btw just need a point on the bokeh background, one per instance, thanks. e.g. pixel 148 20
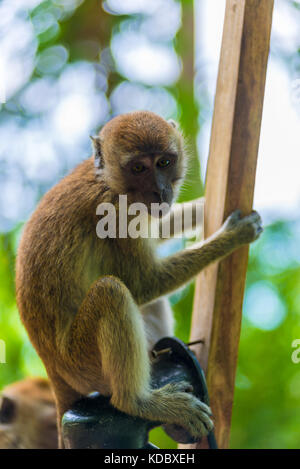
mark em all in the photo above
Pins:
pixel 68 66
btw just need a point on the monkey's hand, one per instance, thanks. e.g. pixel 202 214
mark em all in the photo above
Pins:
pixel 244 230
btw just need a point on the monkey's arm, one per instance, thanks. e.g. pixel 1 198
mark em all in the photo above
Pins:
pixel 174 271
pixel 183 218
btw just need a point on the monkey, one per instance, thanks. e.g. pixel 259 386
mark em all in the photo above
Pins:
pixel 89 304
pixel 28 415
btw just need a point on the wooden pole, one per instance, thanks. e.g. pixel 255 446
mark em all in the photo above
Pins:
pixel 230 185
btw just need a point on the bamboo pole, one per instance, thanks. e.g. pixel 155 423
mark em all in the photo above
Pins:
pixel 230 185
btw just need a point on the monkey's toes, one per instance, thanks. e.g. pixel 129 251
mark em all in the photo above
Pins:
pixel 232 221
pixel 199 423
pixel 252 226
pixel 235 217
pixel 181 386
pixel 179 393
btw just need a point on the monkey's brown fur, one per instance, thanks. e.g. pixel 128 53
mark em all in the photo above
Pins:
pixel 87 303
pixel 28 415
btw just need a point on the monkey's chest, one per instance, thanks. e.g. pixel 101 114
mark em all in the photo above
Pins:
pixel 129 263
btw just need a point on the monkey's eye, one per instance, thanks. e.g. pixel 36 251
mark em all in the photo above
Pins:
pixel 138 168
pixel 163 162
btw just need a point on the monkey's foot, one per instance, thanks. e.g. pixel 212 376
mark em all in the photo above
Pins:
pixel 180 408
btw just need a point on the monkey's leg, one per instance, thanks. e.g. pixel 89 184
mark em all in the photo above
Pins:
pixel 110 319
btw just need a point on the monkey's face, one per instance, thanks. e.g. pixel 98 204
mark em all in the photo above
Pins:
pixel 143 158
pixel 151 178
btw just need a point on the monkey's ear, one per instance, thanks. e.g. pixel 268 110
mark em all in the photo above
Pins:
pixel 97 143
pixel 173 123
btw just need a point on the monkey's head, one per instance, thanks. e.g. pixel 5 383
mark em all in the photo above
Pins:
pixel 28 415
pixel 141 155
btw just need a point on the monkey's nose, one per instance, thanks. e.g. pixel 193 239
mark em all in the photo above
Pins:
pixel 157 196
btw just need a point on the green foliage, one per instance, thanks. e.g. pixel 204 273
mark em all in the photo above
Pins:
pixel 266 409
